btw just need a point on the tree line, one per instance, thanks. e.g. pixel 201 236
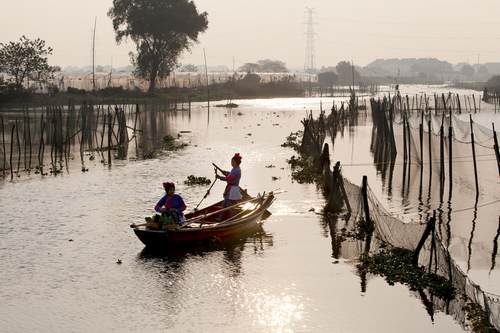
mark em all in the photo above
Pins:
pixel 161 31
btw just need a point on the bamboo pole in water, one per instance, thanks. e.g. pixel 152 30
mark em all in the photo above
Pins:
pixel 29 139
pixel 19 148
pixel 41 150
pixel 104 116
pixel 4 152
pixel 109 139
pixel 421 132
pixel 441 152
pixel 430 227
pixel 53 144
pixel 429 124
pixel 25 141
pixel 474 154
pixel 11 150
pixel 450 149
pixel 409 144
pixel 67 139
pixel 495 147
pixel 405 148
pixel 369 222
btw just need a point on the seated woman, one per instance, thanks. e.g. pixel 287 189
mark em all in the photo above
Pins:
pixel 171 204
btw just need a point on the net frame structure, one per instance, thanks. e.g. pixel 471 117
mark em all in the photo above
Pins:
pixel 419 128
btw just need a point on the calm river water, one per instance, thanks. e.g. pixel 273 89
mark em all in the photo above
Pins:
pixel 71 263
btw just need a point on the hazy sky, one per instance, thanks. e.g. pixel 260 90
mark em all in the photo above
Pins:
pixel 241 31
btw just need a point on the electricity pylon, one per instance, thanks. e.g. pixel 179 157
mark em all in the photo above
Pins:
pixel 310 63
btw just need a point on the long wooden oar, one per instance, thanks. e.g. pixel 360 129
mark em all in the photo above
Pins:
pixel 244 211
pixel 222 171
pixel 202 217
pixel 206 195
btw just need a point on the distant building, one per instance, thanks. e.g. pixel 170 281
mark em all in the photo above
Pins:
pixel 409 67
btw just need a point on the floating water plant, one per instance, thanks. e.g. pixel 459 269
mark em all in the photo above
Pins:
pixel 478 318
pixel 150 155
pixel 360 230
pixel 395 265
pixel 292 141
pixel 303 171
pixel 168 139
pixel 192 180
pixel 176 148
pixel 228 105
pixel 147 154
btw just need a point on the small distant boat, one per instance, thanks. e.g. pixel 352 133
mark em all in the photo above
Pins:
pixel 202 226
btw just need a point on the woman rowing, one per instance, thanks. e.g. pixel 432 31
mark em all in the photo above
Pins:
pixel 232 194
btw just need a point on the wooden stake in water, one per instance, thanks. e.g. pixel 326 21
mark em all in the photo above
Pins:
pixel 474 154
pixel 11 149
pixel 4 153
pixel 18 148
pixel 495 147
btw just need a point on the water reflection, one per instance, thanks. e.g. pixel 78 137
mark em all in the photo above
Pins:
pixel 213 279
pixel 256 239
pixel 495 247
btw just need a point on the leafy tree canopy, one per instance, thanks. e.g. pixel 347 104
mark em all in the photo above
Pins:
pixel 272 66
pixel 493 84
pixel 161 30
pixel 483 70
pixel 328 69
pixel 328 78
pixel 189 68
pixel 265 66
pixel 25 60
pixel 346 73
pixel 249 67
pixel 467 70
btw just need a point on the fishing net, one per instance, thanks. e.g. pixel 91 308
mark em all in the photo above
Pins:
pixel 438 150
pixel 455 160
pixel 434 255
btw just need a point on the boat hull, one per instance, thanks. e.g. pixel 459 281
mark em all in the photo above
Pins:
pixel 205 233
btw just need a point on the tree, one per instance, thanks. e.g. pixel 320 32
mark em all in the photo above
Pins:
pixel 467 70
pixel 161 30
pixel 483 70
pixel 249 67
pixel 493 84
pixel 272 66
pixel 189 68
pixel 25 60
pixel 327 69
pixel 346 72
pixel 264 66
pixel 328 78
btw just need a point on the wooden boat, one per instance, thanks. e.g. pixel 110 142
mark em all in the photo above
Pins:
pixel 202 226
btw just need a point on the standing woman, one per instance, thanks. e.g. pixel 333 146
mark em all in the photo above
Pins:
pixel 232 193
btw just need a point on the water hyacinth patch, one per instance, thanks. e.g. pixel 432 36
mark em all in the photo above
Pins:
pixel 394 264
pixel 193 180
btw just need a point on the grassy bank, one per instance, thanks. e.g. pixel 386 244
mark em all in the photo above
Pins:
pixel 243 89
